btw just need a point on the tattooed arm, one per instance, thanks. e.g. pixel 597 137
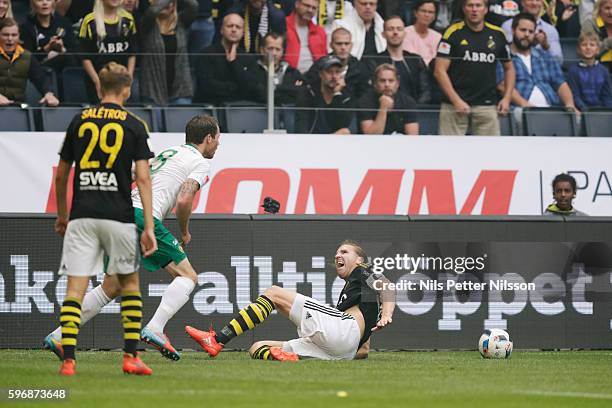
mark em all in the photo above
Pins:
pixel 184 203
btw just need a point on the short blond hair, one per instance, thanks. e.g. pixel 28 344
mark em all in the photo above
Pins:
pixel 589 35
pixel 114 78
pixel 386 67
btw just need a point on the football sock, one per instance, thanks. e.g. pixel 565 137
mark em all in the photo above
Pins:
pixel 262 353
pixel 246 319
pixel 93 302
pixel 175 296
pixel 131 317
pixel 70 321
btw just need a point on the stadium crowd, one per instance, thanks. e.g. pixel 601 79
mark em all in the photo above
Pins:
pixel 377 62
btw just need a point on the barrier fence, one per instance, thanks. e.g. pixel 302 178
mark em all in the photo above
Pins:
pixel 546 280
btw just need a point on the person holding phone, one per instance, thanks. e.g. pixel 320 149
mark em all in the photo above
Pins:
pixel 48 35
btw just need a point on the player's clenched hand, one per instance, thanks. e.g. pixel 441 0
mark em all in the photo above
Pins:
pixel 185 239
pixel 60 225
pixel 382 323
pixel 148 243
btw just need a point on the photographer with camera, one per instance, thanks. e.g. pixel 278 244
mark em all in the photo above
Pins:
pixel 48 35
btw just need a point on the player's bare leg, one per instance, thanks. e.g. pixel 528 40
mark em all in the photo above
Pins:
pixel 283 299
pixel 274 297
pixel 173 299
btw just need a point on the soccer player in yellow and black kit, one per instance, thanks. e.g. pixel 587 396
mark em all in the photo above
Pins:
pixel 366 304
pixel 103 141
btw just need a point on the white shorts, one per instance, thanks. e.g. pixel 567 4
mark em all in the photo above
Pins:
pixel 325 333
pixel 86 242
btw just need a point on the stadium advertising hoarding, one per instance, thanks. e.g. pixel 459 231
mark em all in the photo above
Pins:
pixel 328 174
pixel 547 294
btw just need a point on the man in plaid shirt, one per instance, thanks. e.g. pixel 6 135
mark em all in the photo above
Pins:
pixel 539 80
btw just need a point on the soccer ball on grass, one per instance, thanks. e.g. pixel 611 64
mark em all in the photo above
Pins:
pixel 495 343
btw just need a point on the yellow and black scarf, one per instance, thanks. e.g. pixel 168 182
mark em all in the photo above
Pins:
pixel 262 29
pixel 322 18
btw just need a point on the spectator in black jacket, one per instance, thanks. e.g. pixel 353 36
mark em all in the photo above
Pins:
pixel 48 35
pixel 287 80
pixel 327 108
pixel 415 79
pixel 260 17
pixel 355 74
pixel 220 75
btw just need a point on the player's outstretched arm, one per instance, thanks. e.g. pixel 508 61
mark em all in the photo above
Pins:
pixel 61 184
pixel 184 205
pixel 148 243
pixel 387 298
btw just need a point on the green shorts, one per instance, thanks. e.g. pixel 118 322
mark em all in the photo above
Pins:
pixel 168 248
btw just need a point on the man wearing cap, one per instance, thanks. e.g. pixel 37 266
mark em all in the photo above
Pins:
pixel 327 108
pixel 356 76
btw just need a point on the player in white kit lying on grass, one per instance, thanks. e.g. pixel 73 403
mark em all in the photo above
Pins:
pixel 326 333
pixel 177 174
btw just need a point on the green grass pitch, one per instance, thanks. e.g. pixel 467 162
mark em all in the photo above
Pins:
pixel 389 379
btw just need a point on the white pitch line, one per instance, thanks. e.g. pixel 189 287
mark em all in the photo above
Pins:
pixel 202 392
pixel 566 394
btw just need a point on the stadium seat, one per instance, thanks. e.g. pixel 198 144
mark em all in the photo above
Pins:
pixel 354 126
pixel 284 118
pixel 598 122
pixel 146 113
pixel 176 116
pixel 57 119
pixel 507 126
pixel 429 117
pixel 14 118
pixel 135 90
pixel 73 86
pixel 549 122
pixel 568 47
pixel 245 117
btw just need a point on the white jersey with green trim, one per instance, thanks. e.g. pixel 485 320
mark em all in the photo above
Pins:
pixel 169 170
